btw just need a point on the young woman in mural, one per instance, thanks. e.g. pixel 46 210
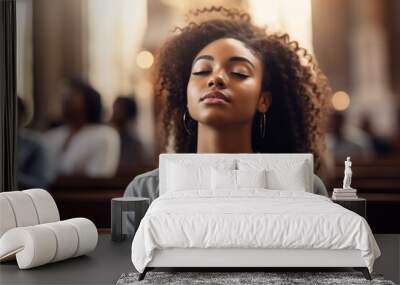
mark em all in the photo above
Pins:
pixel 229 86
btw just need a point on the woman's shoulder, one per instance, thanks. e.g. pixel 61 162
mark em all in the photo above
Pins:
pixel 144 185
pixel 319 186
pixel 152 174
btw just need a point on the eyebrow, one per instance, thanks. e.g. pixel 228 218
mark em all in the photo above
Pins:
pixel 233 58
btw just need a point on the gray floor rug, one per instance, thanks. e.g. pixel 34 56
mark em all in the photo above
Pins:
pixel 225 278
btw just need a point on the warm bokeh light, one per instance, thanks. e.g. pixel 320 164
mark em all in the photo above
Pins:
pixel 293 17
pixel 144 59
pixel 340 101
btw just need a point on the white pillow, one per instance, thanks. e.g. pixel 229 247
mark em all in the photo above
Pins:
pixel 181 178
pixel 223 179
pixel 281 175
pixel 291 179
pixel 186 175
pixel 251 178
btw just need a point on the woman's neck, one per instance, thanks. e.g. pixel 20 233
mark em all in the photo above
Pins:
pixel 229 139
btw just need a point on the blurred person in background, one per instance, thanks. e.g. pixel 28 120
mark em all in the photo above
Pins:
pixel 33 169
pixel 380 145
pixel 83 146
pixel 132 151
pixel 343 143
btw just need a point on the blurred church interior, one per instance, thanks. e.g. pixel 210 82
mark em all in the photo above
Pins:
pixel 108 47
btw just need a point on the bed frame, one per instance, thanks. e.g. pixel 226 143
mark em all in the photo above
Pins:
pixel 242 259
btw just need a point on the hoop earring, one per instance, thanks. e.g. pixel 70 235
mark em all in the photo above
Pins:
pixel 184 123
pixel 263 124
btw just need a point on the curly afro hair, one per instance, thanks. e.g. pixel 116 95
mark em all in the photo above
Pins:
pixel 299 90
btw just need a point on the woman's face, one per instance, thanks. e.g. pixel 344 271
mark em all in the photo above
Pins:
pixel 225 84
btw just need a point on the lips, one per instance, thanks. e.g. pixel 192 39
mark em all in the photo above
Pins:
pixel 216 95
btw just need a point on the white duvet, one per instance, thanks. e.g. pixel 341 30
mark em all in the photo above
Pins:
pixel 250 219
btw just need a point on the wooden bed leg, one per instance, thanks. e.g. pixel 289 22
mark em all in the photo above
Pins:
pixel 364 271
pixel 143 274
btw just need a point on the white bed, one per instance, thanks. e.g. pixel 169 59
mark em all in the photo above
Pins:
pixel 204 220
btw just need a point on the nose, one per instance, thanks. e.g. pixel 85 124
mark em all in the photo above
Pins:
pixel 217 81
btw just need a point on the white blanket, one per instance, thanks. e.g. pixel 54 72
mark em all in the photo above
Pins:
pixel 250 219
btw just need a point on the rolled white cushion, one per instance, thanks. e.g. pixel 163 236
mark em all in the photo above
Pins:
pixel 67 240
pixel 40 244
pixel 45 205
pixel 7 218
pixel 23 208
pixel 33 246
pixel 87 235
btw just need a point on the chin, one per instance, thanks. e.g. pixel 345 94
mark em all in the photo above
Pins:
pixel 215 120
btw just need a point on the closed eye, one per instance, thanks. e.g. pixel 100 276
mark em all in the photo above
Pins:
pixel 202 72
pixel 240 75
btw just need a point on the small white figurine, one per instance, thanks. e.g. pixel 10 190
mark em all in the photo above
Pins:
pixel 347 174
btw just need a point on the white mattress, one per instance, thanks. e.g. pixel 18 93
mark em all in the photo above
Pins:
pixel 257 218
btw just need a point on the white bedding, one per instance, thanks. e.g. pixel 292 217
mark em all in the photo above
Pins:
pixel 253 218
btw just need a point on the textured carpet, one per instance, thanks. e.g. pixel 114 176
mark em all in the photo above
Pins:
pixel 225 278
